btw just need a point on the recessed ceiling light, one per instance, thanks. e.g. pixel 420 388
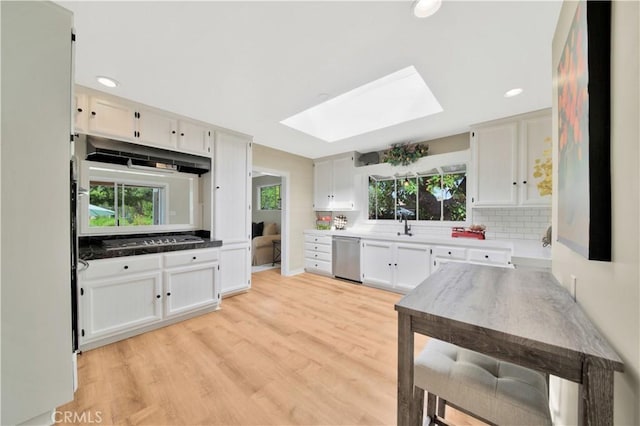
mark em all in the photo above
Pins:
pixel 107 81
pixel 396 98
pixel 513 92
pixel 426 8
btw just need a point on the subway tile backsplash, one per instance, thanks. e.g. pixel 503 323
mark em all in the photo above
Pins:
pixel 529 223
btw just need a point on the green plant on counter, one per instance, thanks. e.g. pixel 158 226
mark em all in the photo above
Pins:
pixel 405 154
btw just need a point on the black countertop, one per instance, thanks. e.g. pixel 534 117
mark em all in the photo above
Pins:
pixel 91 248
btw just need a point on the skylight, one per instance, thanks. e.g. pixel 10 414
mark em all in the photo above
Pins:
pixel 396 98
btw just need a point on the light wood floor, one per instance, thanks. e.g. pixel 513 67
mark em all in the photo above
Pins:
pixel 303 350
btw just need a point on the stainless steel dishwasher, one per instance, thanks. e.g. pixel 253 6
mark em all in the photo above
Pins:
pixel 346 258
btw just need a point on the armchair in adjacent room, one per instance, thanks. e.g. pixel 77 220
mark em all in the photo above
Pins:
pixel 262 242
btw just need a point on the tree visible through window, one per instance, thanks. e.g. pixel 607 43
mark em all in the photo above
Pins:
pixel 438 195
pixel 270 197
pixel 119 204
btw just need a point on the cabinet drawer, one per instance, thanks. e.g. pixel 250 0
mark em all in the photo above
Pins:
pixel 190 257
pixel 489 256
pixel 317 255
pixel 317 239
pixel 318 265
pixel 450 252
pixel 324 248
pixel 121 266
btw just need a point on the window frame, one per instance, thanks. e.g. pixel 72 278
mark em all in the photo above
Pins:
pixel 440 162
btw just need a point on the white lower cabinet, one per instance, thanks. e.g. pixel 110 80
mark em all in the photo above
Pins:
pixel 394 266
pixel 235 272
pixel 117 304
pixel 317 254
pixel 125 296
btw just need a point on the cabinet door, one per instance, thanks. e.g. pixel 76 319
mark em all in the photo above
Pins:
pixel 343 183
pixel 322 184
pixel 234 269
pixel 413 265
pixel 109 118
pixel 535 146
pixel 232 161
pixel 112 306
pixel 194 138
pixel 80 113
pixel 157 129
pixel 376 261
pixel 495 150
pixel 189 288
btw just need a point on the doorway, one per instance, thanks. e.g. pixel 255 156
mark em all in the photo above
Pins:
pixel 270 220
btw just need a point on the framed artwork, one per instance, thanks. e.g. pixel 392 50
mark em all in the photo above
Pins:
pixel 584 109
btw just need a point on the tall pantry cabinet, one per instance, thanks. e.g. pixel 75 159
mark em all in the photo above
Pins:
pixel 232 209
pixel 37 368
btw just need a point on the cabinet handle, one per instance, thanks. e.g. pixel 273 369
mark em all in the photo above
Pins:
pixel 217 187
pixel 486 256
pixel 181 134
pixel 79 109
pixel 158 296
pixel 524 182
pixel 93 113
pixel 395 264
pixel 316 247
pixel 515 183
pixel 173 132
pixel 169 293
pixel 194 258
pixel 389 264
pixel 316 255
pixel 449 253
pixel 126 267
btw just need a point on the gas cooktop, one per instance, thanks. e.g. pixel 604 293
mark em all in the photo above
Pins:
pixel 133 243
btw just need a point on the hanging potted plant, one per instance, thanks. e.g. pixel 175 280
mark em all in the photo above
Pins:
pixel 403 154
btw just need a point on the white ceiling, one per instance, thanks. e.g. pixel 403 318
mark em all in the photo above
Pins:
pixel 248 65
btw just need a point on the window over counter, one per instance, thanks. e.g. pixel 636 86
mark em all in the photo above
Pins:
pixel 122 204
pixel 124 200
pixel 270 197
pixel 439 194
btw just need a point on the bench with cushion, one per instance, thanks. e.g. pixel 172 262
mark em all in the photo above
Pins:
pixel 494 391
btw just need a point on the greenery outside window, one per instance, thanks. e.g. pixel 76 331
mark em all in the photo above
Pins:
pixel 435 195
pixel 120 204
pixel 270 197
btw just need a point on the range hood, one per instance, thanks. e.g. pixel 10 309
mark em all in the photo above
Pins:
pixel 118 152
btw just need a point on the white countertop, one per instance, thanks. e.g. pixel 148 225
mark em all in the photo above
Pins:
pixel 524 252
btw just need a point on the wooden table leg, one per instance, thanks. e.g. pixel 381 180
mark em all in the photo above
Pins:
pixel 595 404
pixel 405 371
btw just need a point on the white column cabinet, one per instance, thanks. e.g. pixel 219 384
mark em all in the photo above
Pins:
pixel 333 183
pixel 232 193
pixel 504 157
pixel 394 266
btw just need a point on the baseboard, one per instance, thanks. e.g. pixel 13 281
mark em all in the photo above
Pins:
pixel 293 272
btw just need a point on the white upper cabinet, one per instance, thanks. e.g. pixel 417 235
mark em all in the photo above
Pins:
pixel 333 183
pixel 109 118
pixel 80 113
pixel 194 138
pixel 504 156
pixel 495 158
pixel 158 129
pixel 535 150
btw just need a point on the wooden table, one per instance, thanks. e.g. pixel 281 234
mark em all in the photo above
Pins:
pixel 521 316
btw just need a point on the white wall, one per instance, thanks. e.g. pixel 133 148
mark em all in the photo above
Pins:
pixel 609 291
pixel 300 182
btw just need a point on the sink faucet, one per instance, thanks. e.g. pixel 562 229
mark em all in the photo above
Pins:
pixel 407 227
